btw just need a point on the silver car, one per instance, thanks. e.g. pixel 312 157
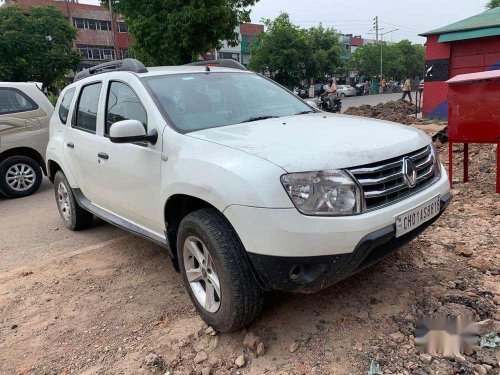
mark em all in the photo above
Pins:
pixel 346 90
pixel 24 133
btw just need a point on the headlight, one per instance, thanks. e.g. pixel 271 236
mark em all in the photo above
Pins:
pixel 326 193
pixel 437 163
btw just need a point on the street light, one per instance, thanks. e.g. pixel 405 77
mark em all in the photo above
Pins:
pixel 382 53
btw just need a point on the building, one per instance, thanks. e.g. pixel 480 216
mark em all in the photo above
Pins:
pixel 350 43
pixel 468 46
pixel 247 36
pixel 100 38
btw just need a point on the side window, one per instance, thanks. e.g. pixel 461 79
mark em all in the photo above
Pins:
pixel 123 104
pixel 13 101
pixel 64 106
pixel 86 113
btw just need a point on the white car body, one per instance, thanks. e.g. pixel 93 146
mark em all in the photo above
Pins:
pixel 237 170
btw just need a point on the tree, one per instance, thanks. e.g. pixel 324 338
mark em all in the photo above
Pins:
pixel 493 4
pixel 169 32
pixel 326 52
pixel 38 47
pixel 399 59
pixel 290 54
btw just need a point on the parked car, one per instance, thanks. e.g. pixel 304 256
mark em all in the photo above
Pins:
pixel 246 186
pixel 319 89
pixel 346 90
pixel 24 133
pixel 301 92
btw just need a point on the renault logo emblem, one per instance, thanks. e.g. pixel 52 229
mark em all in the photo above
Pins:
pixel 409 172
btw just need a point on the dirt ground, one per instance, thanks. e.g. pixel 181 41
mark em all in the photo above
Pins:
pixel 102 301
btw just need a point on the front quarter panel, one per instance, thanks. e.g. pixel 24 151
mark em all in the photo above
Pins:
pixel 219 175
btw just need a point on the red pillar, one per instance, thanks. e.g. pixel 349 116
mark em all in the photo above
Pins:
pixel 466 162
pixel 450 163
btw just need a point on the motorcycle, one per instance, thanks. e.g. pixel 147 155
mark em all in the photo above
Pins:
pixel 324 104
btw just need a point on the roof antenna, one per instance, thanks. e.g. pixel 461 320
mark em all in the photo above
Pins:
pixel 207 69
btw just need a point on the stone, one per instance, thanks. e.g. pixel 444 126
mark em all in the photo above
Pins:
pixel 251 340
pixel 151 360
pixel 459 357
pixel 482 328
pixel 206 371
pixel 210 331
pixel 294 347
pixel 496 299
pixel 480 370
pixel 200 357
pixel 397 337
pixel 464 250
pixel 261 349
pixel 305 337
pixel 240 361
pixel 426 358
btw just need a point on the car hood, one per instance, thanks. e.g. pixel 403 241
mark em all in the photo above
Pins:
pixel 318 141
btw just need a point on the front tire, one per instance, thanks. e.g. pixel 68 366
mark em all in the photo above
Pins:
pixel 216 272
pixel 20 176
pixel 73 216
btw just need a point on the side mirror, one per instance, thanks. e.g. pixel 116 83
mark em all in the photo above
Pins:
pixel 129 131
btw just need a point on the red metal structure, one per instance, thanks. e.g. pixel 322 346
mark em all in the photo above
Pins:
pixel 474 115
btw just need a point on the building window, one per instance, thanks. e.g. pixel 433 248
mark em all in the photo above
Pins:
pixel 125 53
pixel 82 23
pixel 96 52
pixel 122 27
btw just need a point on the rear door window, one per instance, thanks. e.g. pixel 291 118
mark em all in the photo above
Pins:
pixel 86 112
pixel 65 103
pixel 13 100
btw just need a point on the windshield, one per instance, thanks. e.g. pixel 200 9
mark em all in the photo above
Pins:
pixel 208 100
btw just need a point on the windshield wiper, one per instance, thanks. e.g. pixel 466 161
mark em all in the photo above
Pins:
pixel 303 113
pixel 258 118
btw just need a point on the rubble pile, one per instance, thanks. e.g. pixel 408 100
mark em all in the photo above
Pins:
pixel 399 111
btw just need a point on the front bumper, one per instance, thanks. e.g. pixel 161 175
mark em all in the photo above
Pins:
pixel 311 274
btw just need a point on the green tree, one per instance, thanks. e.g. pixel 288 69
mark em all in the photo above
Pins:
pixel 290 54
pixel 326 52
pixel 169 32
pixel 38 47
pixel 493 4
pixel 282 51
pixel 398 60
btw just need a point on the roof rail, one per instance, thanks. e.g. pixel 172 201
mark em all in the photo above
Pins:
pixel 223 63
pixel 125 65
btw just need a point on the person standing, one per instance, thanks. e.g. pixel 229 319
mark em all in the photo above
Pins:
pixel 407 89
pixel 366 87
pixel 384 86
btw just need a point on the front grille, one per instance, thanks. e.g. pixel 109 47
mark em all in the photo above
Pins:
pixel 383 182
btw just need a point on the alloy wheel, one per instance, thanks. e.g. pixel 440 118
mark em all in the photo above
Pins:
pixel 201 274
pixel 63 201
pixel 20 177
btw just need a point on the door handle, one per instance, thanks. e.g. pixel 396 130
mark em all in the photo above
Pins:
pixel 70 145
pixel 103 155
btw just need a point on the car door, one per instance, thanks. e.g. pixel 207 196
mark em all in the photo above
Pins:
pixel 81 141
pixel 131 171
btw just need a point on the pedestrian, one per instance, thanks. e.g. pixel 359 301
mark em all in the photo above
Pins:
pixel 384 86
pixel 366 87
pixel 407 89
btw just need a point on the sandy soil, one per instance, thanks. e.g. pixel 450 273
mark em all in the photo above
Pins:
pixel 105 302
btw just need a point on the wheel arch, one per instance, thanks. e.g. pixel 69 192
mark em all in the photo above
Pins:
pixel 27 152
pixel 53 168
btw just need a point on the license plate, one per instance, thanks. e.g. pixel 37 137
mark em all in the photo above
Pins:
pixel 417 216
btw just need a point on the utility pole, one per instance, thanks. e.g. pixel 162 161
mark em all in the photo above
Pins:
pixel 375 26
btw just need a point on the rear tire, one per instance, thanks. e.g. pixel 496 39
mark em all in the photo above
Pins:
pixel 73 216
pixel 213 262
pixel 20 176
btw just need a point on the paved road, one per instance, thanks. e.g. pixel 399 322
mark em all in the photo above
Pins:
pixel 356 101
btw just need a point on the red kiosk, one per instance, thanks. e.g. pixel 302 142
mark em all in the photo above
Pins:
pixel 474 115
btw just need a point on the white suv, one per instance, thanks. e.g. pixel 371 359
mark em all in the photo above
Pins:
pixel 247 186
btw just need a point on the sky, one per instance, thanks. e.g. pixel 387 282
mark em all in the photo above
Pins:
pixel 411 17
